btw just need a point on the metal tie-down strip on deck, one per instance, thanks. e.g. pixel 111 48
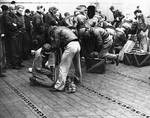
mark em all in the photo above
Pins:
pixel 128 76
pixel 26 100
pixel 124 105
pixel 120 103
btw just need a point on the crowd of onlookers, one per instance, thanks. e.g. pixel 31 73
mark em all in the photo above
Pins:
pixel 22 30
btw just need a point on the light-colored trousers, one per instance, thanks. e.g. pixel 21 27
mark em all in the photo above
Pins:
pixel 71 53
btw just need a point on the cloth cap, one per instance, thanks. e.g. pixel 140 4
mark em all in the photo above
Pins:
pixel 46 49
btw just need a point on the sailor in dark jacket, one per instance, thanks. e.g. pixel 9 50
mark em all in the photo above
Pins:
pixel 50 20
pixel 38 28
pixel 28 33
pixel 2 46
pixel 21 32
pixel 97 42
pixel 65 38
pixel 13 28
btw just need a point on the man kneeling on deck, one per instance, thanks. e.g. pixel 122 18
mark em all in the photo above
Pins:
pixel 42 68
pixel 64 38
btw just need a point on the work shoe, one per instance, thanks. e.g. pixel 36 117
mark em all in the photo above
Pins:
pixel 70 87
pixel 33 81
pixel 52 89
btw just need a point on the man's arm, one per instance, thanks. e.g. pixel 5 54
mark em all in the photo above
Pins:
pixel 99 40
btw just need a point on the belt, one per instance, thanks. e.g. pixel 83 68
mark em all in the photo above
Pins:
pixel 75 40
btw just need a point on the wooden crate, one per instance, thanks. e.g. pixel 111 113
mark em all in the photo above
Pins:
pixel 137 59
pixel 95 65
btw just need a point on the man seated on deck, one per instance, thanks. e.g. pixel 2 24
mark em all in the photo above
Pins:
pixel 64 38
pixel 42 68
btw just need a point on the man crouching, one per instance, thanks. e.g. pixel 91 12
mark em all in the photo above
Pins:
pixel 64 38
pixel 43 66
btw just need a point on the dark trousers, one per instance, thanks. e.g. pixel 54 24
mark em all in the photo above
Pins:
pixel 16 50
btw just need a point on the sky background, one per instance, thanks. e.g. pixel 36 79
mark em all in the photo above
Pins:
pixel 126 6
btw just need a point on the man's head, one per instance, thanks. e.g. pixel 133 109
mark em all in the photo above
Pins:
pixel 40 9
pixel 12 9
pixel 13 4
pixel 20 9
pixel 81 9
pixel 27 12
pixel 46 49
pixel 112 8
pixel 53 10
pixel 66 14
pixel 91 10
pixel 4 8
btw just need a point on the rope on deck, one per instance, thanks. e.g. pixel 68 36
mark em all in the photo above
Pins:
pixel 120 103
pixel 26 100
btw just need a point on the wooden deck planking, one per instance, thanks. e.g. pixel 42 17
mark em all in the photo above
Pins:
pixel 83 103
pixel 13 107
pixel 127 96
pixel 61 103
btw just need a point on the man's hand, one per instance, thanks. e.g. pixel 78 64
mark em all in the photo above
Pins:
pixel 117 19
pixel 33 52
pixel 2 35
pixel 14 24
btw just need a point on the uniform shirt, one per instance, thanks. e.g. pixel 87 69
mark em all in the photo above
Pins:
pixel 50 19
pixel 93 39
pixel 20 22
pixel 28 20
pixel 101 35
pixel 92 22
pixel 11 19
pixel 38 23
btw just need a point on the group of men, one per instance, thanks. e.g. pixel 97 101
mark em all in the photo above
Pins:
pixel 84 34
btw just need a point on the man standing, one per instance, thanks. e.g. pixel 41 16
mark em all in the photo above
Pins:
pixel 14 42
pixel 28 33
pixel 21 32
pixel 118 16
pixel 2 45
pixel 38 28
pixel 64 38
pixel 50 20
pixel 4 31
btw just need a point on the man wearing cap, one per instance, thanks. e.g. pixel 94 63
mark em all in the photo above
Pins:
pixel 118 16
pixel 64 38
pixel 13 4
pixel 21 31
pixel 42 70
pixel 80 17
pixel 38 28
pixel 13 27
pixel 50 19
